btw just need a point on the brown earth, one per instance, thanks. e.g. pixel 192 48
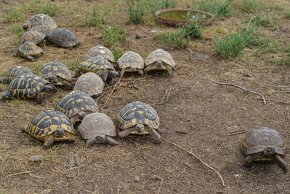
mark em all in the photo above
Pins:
pixel 198 116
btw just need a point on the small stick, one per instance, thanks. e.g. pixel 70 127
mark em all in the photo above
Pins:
pixel 115 86
pixel 237 132
pixel 14 174
pixel 243 89
pixel 192 154
pixel 166 96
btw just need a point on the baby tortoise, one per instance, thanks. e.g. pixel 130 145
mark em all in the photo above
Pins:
pixel 160 60
pixel 76 105
pixel 98 128
pixel 29 50
pixel 41 23
pixel 28 86
pixel 62 37
pixel 131 62
pixel 138 118
pixel 32 36
pixel 98 65
pixel 102 51
pixel 51 126
pixel 90 83
pixel 57 73
pixel 264 144
pixel 14 72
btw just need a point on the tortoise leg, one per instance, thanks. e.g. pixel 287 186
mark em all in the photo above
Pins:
pixel 155 135
pixel 125 133
pixel 110 140
pixel 48 141
pixel 248 161
pixel 77 74
pixel 170 71
pixel 67 85
pixel 31 58
pixel 281 163
pixel 39 98
pixel 90 142
pixel 140 72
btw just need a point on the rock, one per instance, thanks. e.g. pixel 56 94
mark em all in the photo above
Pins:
pixel 35 158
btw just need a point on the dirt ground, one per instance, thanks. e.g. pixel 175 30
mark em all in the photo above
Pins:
pixel 198 116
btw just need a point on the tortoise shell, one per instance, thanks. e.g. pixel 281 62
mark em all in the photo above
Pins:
pixel 27 86
pixel 62 37
pixel 14 72
pixel 77 103
pixel 159 55
pixel 29 50
pixel 90 83
pixel 102 51
pixel 256 140
pixel 47 122
pixel 40 20
pixel 96 124
pixel 138 112
pixel 56 72
pixel 131 61
pixel 94 64
pixel 32 36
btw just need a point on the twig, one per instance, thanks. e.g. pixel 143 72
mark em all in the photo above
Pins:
pixel 237 132
pixel 14 174
pixel 243 89
pixel 166 96
pixel 112 91
pixel 192 154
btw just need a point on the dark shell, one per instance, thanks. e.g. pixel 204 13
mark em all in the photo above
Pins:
pixel 32 36
pixel 62 37
pixel 57 69
pixel 75 102
pixel 138 112
pixel 256 140
pixel 14 72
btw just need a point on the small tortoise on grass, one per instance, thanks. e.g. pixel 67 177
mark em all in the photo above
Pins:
pixel 62 37
pixel 131 62
pixel 32 36
pixel 90 83
pixel 51 126
pixel 264 144
pixel 28 86
pixel 102 51
pixel 138 118
pixel 98 65
pixel 57 73
pixel 160 60
pixel 76 105
pixel 98 128
pixel 41 23
pixel 29 50
pixel 14 72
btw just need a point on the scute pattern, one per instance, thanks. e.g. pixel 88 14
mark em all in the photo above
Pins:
pixel 14 72
pixel 63 38
pixel 100 50
pixel 90 83
pixel 160 55
pixel 131 60
pixel 58 69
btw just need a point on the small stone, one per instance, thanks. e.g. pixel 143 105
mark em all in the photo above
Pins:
pixel 35 158
pixel 136 178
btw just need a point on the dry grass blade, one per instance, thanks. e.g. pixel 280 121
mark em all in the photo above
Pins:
pixel 243 89
pixel 192 154
pixel 166 96
pixel 15 174
pixel 231 133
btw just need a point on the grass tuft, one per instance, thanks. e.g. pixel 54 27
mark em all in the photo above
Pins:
pixel 249 6
pixel 17 29
pixel 218 8
pixel 287 14
pixel 113 35
pixel 45 7
pixel 263 21
pixel 94 17
pixel 13 16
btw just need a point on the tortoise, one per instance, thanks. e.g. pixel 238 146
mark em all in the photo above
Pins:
pixel 76 105
pixel 100 50
pixel 131 62
pixel 90 83
pixel 138 118
pixel 29 50
pixel 57 73
pixel 98 128
pixel 41 23
pixel 264 144
pixel 51 126
pixel 14 72
pixel 62 37
pixel 28 86
pixel 98 65
pixel 160 60
pixel 32 36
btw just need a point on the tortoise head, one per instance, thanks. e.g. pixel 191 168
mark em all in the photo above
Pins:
pixel 50 88
pixel 59 132
pixel 140 128
pixel 159 64
pixel 269 151
pixel 26 25
pixel 62 135
pixel 6 95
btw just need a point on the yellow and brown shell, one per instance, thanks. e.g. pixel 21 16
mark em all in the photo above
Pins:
pixel 46 123
pixel 14 72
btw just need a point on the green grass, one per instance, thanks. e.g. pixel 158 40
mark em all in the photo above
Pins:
pixel 249 6
pixel 287 14
pixel 44 7
pixel 113 35
pixel 16 29
pixel 117 52
pixel 263 21
pixel 218 8
pixel 34 67
pixel 94 17
pixel 192 30
pixel 13 16
pixel 142 11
